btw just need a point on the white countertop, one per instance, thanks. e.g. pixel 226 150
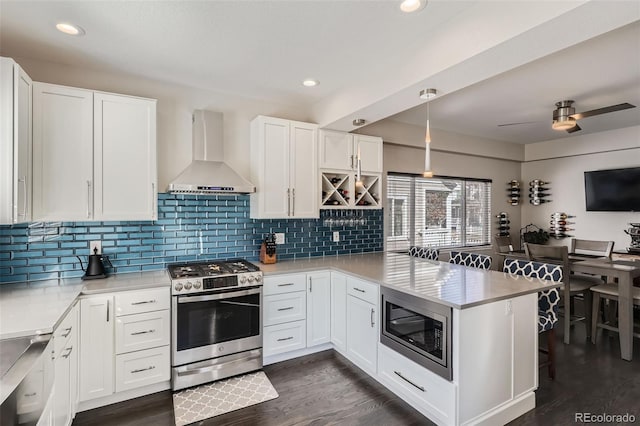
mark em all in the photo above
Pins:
pixel 36 308
pixel 453 285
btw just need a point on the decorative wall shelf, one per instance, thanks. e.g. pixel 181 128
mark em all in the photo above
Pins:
pixel 341 191
pixel 538 191
pixel 560 225
pixel 503 224
pixel 513 192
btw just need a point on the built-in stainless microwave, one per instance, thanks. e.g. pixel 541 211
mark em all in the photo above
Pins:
pixel 418 329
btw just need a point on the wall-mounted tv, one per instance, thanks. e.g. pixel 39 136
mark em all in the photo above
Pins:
pixel 616 190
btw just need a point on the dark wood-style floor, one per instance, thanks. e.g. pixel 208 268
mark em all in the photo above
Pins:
pixel 326 389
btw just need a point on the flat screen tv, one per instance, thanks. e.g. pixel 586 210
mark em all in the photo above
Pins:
pixel 616 190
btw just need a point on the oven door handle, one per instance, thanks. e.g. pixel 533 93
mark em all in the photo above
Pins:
pixel 218 296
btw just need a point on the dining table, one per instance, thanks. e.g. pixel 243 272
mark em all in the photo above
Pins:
pixel 624 271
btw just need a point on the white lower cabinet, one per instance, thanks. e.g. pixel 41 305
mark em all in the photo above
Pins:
pixel 124 341
pixel 339 311
pixel 362 334
pixel 318 308
pixel 286 337
pixel 65 354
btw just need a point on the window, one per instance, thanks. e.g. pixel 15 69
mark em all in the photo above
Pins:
pixel 437 212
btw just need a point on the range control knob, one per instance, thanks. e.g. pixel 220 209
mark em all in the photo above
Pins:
pixel 197 284
pixel 187 285
pixel 178 286
pixel 258 278
pixel 242 279
pixel 251 278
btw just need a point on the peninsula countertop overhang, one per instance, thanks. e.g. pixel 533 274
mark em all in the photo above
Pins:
pixel 452 285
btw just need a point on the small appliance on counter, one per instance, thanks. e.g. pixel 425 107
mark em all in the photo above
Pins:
pixel 634 233
pixel 268 249
pixel 95 267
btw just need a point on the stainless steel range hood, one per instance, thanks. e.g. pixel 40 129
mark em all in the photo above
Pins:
pixel 207 173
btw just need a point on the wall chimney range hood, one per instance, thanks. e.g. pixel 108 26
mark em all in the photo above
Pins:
pixel 207 173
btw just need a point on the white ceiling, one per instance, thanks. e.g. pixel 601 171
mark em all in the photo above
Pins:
pixel 596 73
pixel 369 57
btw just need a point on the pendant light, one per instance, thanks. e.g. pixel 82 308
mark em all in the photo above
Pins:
pixel 427 94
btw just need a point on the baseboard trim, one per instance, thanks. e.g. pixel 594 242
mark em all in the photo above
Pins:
pixel 273 359
pixel 507 412
pixel 123 396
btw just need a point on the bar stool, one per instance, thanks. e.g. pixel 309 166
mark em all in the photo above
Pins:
pixel 473 260
pixel 609 292
pixel 424 252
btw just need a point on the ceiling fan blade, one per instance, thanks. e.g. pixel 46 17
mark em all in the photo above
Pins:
pixel 605 110
pixel 574 129
pixel 515 124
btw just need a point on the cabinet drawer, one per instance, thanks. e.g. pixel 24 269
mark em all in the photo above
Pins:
pixel 363 290
pixel 424 390
pixel 142 368
pixel 284 337
pixel 30 392
pixel 136 302
pixel 142 331
pixel 284 284
pixel 288 307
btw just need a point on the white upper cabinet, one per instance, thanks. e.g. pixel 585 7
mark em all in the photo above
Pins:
pixel 94 155
pixel 284 169
pixel 125 157
pixel 15 143
pixel 62 153
pixel 339 151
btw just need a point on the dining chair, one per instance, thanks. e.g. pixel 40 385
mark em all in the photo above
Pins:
pixel 547 301
pixel 473 260
pixel 591 247
pixel 572 284
pixel 608 292
pixel 424 252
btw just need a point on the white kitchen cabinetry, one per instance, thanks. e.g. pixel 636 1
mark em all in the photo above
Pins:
pixel 284 313
pixel 65 394
pixel 15 143
pixel 339 151
pixel 284 168
pixel 124 341
pixel 339 311
pixel 94 155
pixel 318 308
pixel 362 324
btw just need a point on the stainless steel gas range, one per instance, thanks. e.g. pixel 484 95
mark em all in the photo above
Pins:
pixel 216 321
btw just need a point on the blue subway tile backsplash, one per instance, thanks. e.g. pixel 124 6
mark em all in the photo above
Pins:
pixel 189 228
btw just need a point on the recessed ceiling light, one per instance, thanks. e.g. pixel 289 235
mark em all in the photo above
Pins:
pixel 409 6
pixel 69 29
pixel 310 82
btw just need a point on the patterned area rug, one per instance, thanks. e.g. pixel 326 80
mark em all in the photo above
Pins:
pixel 203 402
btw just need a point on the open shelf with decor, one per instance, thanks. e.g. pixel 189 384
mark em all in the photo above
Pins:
pixel 336 190
pixel 367 194
pixel 341 191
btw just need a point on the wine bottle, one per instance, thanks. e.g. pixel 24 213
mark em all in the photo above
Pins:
pixel 538 201
pixel 538 195
pixel 560 222
pixel 514 183
pixel 558 215
pixel 335 179
pixel 538 182
pixel 539 188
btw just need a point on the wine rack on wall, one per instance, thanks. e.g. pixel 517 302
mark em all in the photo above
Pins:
pixel 538 192
pixel 503 224
pixel 560 225
pixel 513 192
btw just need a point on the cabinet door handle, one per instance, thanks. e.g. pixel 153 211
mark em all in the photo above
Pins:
pixel 284 285
pixel 23 181
pixel 288 201
pixel 293 203
pixel 108 310
pixel 88 198
pixel 28 395
pixel 288 308
pixel 140 370
pixel 136 333
pixel 153 199
pixel 285 338
pixel 143 302
pixel 351 157
pixel 68 332
pixel 399 374
pixel 68 352
pixel 310 285
pixel 372 315
pixel 360 290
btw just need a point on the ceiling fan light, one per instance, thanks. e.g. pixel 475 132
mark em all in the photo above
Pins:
pixel 564 123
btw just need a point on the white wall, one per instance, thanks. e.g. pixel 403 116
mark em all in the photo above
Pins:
pixel 563 163
pixel 175 106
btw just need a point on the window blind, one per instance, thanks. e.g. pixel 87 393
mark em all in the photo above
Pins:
pixel 437 212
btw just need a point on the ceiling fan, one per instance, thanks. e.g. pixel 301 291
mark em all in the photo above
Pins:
pixel 565 116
